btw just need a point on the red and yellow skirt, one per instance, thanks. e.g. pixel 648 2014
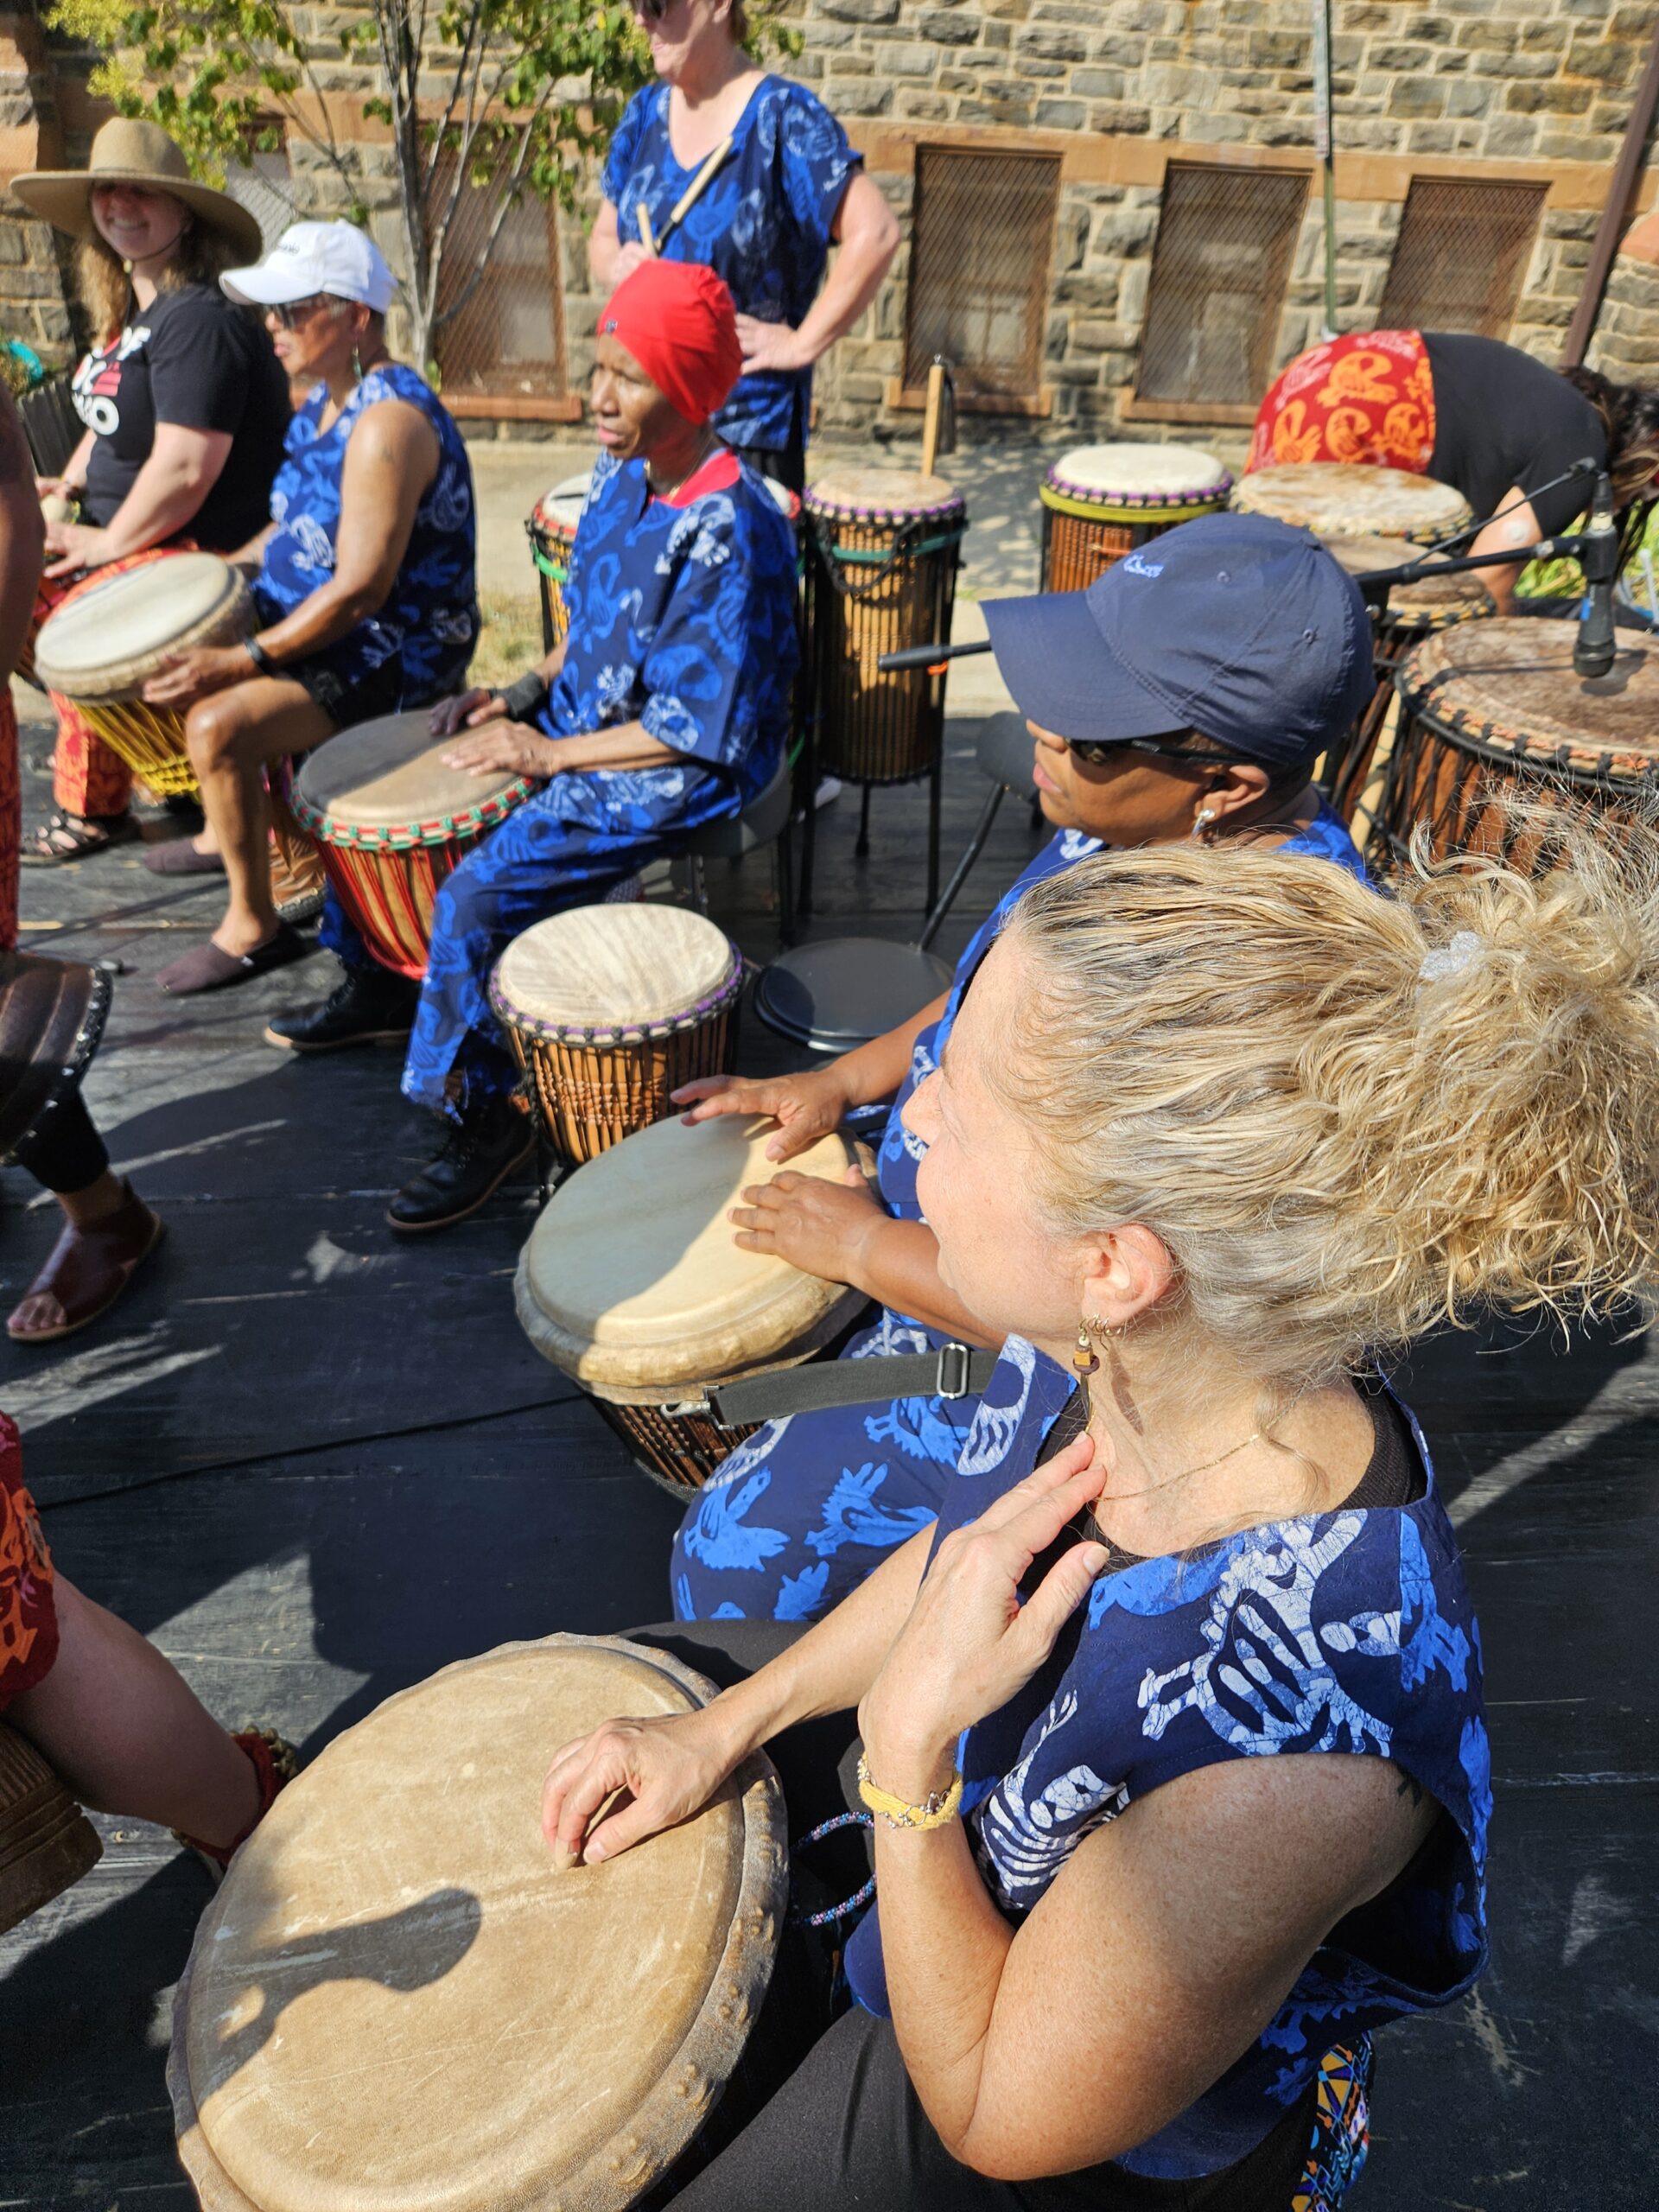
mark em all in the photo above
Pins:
pixel 29 1617
pixel 1367 396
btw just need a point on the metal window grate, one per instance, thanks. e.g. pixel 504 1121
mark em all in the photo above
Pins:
pixel 1220 266
pixel 981 243
pixel 1461 256
pixel 507 340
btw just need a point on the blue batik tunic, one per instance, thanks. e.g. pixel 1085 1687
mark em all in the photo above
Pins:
pixel 682 618
pixel 1349 1632
pixel 806 1508
pixel 763 225
pixel 426 628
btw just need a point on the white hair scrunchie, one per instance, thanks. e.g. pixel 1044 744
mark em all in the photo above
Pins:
pixel 1445 961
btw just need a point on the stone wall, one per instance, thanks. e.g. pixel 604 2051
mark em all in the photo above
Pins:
pixel 33 299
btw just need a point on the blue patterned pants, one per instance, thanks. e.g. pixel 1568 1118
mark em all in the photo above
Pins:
pixel 807 1507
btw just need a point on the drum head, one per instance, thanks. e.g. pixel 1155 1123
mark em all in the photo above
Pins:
pixel 1139 473
pixel 1345 498
pixel 1509 683
pixel 396 2005
pixel 110 636
pixel 560 510
pixel 874 493
pixel 388 776
pixel 1431 597
pixel 631 1280
pixel 613 971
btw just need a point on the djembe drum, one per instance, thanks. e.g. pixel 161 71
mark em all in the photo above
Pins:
pixel 112 633
pixel 1100 502
pixel 47 1843
pixel 392 822
pixel 396 2003
pixel 608 1009
pixel 1413 612
pixel 1490 712
pixel 632 1285
pixel 1349 499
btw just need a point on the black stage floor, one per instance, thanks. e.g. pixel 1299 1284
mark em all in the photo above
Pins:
pixel 315 1464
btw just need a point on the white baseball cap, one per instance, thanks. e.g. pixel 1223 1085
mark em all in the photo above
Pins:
pixel 312 258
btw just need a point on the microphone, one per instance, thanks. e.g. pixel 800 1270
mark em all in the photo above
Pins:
pixel 1594 648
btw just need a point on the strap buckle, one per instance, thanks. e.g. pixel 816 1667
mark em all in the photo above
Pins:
pixel 954 1370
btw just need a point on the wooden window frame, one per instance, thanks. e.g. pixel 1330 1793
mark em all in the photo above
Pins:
pixel 1457 181
pixel 901 398
pixel 470 406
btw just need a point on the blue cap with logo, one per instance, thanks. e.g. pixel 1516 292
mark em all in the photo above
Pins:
pixel 1236 626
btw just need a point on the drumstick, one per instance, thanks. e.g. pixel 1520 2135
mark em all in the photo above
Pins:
pixel 694 191
pixel 646 240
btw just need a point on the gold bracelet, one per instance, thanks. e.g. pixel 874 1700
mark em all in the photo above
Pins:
pixel 935 1811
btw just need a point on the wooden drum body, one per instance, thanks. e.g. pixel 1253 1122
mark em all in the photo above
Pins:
pixel 47 1843
pixel 1100 502
pixel 392 822
pixel 1413 612
pixel 1349 499
pixel 632 1284
pixel 886 547
pixel 609 1008
pixel 395 2004
pixel 112 633
pixel 552 528
pixel 1491 711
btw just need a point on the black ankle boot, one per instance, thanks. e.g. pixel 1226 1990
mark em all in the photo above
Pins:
pixel 369 1006
pixel 480 1150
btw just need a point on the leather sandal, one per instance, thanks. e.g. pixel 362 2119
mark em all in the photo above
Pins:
pixel 275 1763
pixel 87 1271
pixel 65 837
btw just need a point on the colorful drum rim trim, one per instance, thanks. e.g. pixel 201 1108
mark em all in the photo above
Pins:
pixel 725 994
pixel 1419 682
pixel 833 511
pixel 1065 497
pixel 440 829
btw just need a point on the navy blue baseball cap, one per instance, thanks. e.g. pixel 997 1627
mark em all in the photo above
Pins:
pixel 1236 626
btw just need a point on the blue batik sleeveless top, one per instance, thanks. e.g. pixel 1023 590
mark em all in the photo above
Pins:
pixel 1348 1633
pixel 1325 838
pixel 429 621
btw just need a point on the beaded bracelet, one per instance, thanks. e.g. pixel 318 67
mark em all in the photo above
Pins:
pixel 935 1811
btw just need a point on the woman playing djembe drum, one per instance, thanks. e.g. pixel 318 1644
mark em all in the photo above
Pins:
pixel 365 586
pixel 800 1514
pixel 185 408
pixel 1485 417
pixel 667 710
pixel 782 185
pixel 1158 1849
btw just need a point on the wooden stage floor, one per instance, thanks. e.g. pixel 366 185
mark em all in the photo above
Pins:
pixel 315 1464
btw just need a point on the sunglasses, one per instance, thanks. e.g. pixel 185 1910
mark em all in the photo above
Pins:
pixel 293 312
pixel 1100 756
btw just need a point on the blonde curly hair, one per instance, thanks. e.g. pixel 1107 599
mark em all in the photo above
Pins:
pixel 1346 1117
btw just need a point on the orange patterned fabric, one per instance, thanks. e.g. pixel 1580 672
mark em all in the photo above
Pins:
pixel 11 820
pixel 88 777
pixel 1367 396
pixel 29 1617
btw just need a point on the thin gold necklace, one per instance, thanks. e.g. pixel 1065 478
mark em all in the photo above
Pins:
pixel 1122 1497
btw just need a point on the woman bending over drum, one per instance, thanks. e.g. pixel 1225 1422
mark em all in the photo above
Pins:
pixel 782 185
pixel 185 408
pixel 669 709
pixel 1474 413
pixel 803 1510
pixel 364 579
pixel 1172 1730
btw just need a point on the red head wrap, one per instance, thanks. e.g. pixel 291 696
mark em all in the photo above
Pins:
pixel 677 321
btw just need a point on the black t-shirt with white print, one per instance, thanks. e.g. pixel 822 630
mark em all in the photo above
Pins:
pixel 194 359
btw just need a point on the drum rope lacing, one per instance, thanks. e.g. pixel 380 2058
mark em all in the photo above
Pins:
pixel 860 1897
pixel 909 545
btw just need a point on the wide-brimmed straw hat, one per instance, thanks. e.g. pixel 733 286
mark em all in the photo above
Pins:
pixel 131 151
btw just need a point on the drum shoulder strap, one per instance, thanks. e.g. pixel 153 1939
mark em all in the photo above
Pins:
pixel 955 1370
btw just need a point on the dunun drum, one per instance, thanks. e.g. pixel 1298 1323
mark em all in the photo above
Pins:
pixel 632 1284
pixel 885 545
pixel 608 1009
pixel 111 634
pixel 392 822
pixel 1413 612
pixel 1100 502
pixel 552 532
pixel 47 1843
pixel 1348 498
pixel 395 2004
pixel 1490 712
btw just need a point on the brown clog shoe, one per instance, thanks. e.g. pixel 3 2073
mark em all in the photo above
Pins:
pixel 88 1270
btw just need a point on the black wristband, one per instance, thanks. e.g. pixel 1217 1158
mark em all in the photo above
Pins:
pixel 525 697
pixel 261 659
